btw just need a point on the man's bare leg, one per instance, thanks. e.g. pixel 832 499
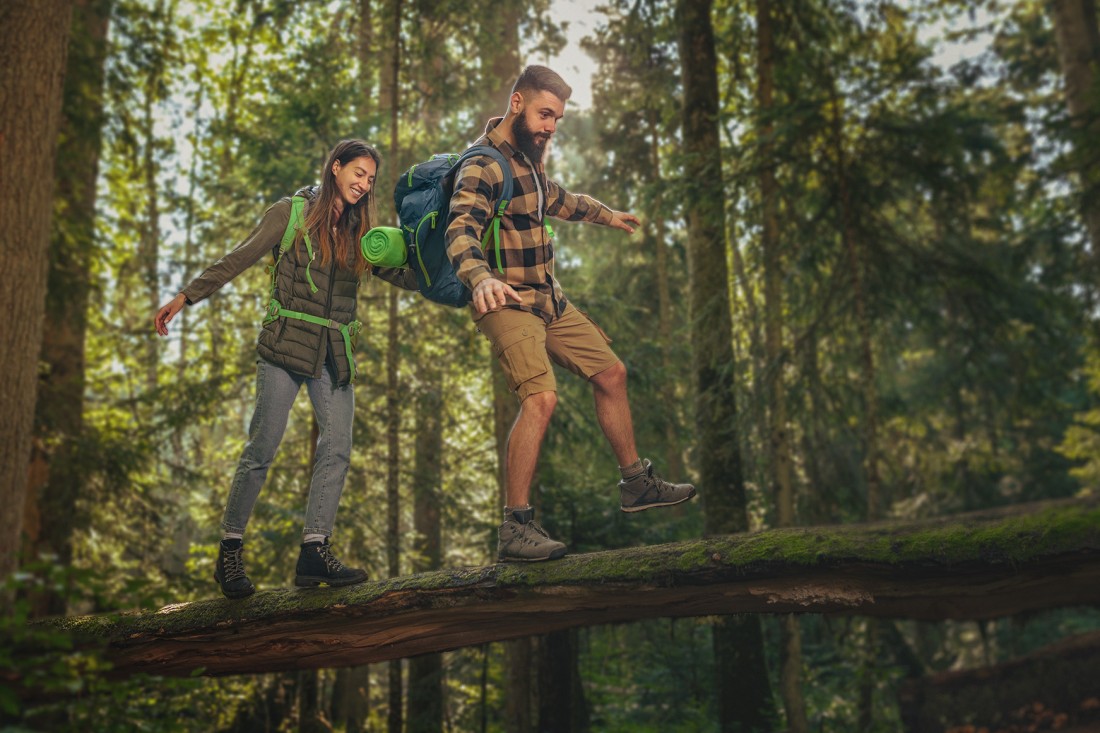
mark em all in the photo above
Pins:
pixel 524 443
pixel 613 413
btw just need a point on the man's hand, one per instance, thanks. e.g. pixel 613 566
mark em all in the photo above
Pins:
pixel 491 294
pixel 623 220
pixel 167 312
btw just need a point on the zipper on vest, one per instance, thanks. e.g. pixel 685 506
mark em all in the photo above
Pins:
pixel 323 352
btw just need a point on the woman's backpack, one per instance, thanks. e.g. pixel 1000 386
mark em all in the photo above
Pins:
pixel 422 198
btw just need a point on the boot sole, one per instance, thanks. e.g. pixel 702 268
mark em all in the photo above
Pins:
pixel 312 581
pixel 238 596
pixel 555 555
pixel 234 595
pixel 632 509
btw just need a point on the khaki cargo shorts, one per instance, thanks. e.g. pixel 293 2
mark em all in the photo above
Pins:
pixel 524 345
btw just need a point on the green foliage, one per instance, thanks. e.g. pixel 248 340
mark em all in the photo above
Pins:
pixel 961 211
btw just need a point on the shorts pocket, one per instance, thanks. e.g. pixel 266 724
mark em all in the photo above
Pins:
pixel 516 351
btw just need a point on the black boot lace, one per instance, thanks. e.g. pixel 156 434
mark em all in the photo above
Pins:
pixel 233 564
pixel 332 563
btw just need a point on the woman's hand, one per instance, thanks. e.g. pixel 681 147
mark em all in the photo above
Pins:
pixel 167 312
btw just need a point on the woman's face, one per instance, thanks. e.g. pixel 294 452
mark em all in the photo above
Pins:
pixel 355 179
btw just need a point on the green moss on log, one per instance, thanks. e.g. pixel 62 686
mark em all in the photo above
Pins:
pixel 1013 536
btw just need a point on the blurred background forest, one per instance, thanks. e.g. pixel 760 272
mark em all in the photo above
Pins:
pixel 886 257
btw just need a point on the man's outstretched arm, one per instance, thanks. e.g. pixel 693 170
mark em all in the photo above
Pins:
pixel 562 204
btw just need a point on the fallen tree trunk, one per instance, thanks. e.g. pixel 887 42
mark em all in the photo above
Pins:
pixel 974 566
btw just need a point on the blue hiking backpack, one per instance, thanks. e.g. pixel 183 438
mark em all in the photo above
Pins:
pixel 422 198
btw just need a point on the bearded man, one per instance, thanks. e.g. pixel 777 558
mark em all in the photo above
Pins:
pixel 520 307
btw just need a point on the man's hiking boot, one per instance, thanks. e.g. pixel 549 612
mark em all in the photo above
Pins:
pixel 317 564
pixel 648 490
pixel 521 539
pixel 229 570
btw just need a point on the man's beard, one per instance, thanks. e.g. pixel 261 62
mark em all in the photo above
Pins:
pixel 534 147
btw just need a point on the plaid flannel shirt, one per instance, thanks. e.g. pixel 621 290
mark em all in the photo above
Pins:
pixel 526 250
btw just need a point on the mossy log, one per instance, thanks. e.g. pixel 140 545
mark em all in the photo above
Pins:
pixel 974 566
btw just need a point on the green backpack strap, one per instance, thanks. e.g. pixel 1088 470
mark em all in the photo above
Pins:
pixel 296 222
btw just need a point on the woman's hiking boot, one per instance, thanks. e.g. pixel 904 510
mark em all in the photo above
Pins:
pixel 229 570
pixel 647 490
pixel 521 539
pixel 317 564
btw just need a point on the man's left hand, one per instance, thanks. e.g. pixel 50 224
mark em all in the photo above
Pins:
pixel 623 220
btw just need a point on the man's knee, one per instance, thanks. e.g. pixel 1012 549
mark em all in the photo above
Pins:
pixel 540 404
pixel 612 378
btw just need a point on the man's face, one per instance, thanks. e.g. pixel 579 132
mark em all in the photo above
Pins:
pixel 536 123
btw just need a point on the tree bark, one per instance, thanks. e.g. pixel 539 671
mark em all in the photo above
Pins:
pixel 425 698
pixel 309 702
pixel 674 463
pixel 975 566
pixel 520 698
pixel 790 658
pixel 33 46
pixel 367 66
pixel 745 691
pixel 1077 31
pixel 351 698
pixel 55 481
pixel 562 706
pixel 391 92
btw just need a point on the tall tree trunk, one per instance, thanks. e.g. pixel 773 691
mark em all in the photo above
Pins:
pixel 868 388
pixel 55 481
pixel 150 228
pixel 790 672
pixel 562 706
pixel 501 29
pixel 309 702
pixel 365 48
pixel 1077 30
pixel 742 682
pixel 391 92
pixel 425 698
pixel 869 393
pixel 520 696
pixel 351 698
pixel 393 499
pixel 33 45
pixel 674 463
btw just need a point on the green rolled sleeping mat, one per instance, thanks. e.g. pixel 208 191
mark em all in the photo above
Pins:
pixel 385 247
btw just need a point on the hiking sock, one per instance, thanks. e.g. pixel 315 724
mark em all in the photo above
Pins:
pixel 634 469
pixel 233 535
pixel 312 537
pixel 519 514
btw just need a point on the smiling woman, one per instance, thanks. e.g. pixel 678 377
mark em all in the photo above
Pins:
pixel 307 339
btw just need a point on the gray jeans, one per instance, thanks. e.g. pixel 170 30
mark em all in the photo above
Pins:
pixel 334 408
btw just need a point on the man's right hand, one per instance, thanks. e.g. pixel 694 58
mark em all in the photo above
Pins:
pixel 491 294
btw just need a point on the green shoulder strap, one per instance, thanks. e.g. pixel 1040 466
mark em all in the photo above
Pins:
pixel 296 222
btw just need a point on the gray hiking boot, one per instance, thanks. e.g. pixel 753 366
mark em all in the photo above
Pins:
pixel 648 490
pixel 521 539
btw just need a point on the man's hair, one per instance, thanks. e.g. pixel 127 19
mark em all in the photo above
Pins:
pixel 536 78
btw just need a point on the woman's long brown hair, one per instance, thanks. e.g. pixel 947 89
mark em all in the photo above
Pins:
pixel 354 221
